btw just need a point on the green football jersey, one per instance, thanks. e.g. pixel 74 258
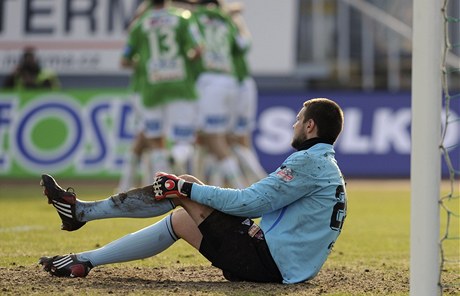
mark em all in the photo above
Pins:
pixel 197 64
pixel 161 39
pixel 219 34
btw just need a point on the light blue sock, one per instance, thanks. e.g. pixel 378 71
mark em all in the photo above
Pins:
pixel 144 243
pixel 135 203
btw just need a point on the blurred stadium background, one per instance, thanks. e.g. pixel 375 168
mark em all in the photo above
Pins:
pixel 354 51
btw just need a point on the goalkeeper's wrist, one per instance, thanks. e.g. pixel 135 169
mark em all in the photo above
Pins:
pixel 185 188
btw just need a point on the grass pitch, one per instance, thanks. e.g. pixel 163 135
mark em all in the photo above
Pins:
pixel 371 256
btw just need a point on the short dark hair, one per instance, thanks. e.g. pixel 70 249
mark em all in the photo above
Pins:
pixel 327 115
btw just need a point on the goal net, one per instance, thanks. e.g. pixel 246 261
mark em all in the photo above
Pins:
pixel 450 197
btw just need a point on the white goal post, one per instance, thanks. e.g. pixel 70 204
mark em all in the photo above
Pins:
pixel 426 155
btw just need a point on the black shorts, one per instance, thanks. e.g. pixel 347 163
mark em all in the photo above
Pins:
pixel 237 246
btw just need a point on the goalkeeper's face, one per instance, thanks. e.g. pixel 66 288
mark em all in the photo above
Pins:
pixel 300 135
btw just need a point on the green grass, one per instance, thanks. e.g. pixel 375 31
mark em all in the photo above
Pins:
pixel 376 229
pixel 375 233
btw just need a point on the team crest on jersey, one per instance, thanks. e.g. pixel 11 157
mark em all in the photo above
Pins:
pixel 285 174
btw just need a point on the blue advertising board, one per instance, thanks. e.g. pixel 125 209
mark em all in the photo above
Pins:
pixel 376 141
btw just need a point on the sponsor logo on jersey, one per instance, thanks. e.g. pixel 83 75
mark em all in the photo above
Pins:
pixel 285 174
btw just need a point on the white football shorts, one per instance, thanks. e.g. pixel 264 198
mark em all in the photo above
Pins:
pixel 245 108
pixel 217 94
pixel 176 120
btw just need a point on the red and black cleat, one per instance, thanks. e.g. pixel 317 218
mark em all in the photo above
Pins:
pixel 65 266
pixel 63 201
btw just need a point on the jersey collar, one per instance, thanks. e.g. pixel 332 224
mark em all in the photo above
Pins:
pixel 311 142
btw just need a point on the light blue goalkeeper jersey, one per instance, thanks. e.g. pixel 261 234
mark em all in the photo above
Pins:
pixel 302 206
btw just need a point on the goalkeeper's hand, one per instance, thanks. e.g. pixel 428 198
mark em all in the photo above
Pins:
pixel 170 186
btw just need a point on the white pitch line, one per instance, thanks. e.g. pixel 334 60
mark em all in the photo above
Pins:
pixel 23 228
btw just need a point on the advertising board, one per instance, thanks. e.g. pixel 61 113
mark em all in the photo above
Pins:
pixel 87 133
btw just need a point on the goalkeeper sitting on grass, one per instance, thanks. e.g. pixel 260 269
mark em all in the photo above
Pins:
pixel 302 206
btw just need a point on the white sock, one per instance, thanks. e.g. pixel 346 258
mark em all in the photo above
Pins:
pixel 249 163
pixel 135 203
pixel 144 243
pixel 129 172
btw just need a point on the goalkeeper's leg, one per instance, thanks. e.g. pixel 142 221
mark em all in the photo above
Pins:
pixel 141 244
pixel 135 203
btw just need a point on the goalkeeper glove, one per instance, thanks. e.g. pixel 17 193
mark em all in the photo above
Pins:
pixel 170 186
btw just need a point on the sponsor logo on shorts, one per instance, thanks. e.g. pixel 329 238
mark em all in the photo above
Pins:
pixel 256 232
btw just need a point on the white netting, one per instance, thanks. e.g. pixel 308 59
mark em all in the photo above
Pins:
pixel 450 197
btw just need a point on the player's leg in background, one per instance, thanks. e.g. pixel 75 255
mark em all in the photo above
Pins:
pixel 181 121
pixel 245 110
pixel 156 133
pixel 216 93
pixel 225 169
pixel 133 163
pixel 247 158
pixel 199 165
